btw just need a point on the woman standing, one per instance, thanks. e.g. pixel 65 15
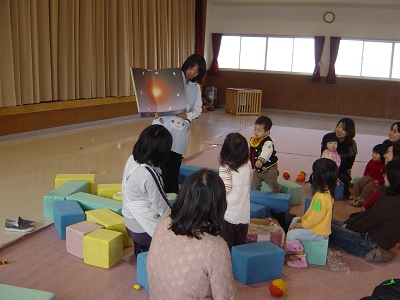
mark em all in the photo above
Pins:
pixel 193 70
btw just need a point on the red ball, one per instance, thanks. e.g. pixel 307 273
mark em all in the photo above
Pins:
pixel 286 175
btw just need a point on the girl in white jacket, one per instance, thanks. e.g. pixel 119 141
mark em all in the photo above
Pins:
pixel 236 172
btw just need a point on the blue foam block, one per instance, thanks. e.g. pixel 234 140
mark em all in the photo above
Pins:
pixel 277 201
pixel 61 192
pixel 187 170
pixel 66 213
pixel 257 211
pixel 339 191
pixel 90 202
pixel 257 262
pixel 141 272
pixel 316 251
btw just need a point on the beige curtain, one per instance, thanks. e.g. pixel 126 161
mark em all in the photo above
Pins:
pixel 54 50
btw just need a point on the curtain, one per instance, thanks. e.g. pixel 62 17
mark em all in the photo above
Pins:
pixel 55 50
pixel 319 42
pixel 200 22
pixel 334 49
pixel 216 44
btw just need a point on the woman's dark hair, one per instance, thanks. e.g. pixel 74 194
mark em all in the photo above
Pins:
pixel 264 121
pixel 329 137
pixel 350 128
pixel 153 146
pixel 381 150
pixel 325 175
pixel 392 171
pixel 235 151
pixel 396 151
pixel 200 205
pixel 191 61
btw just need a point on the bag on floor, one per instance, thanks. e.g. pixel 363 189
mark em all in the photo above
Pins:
pixel 387 290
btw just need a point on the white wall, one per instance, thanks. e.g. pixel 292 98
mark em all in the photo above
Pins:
pixel 301 20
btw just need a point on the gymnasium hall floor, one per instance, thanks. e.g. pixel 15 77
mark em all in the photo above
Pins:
pixel 29 162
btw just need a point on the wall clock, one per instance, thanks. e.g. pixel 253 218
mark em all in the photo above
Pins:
pixel 329 17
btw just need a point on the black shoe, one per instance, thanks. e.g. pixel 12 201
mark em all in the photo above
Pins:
pixel 138 248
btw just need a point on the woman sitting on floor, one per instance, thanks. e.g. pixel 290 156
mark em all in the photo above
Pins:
pixel 377 229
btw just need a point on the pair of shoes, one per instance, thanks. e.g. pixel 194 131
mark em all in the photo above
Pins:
pixel 19 225
pixel 352 197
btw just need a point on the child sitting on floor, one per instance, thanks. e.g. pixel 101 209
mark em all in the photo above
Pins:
pixel 372 179
pixel 316 222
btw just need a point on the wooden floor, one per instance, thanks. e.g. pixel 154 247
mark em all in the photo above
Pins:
pixel 30 162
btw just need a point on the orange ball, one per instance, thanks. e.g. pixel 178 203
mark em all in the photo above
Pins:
pixel 277 288
pixel 301 177
pixel 286 175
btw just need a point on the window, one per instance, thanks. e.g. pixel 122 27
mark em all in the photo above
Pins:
pixel 284 54
pixel 360 58
pixel 368 59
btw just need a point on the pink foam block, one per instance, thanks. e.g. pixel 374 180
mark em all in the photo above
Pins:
pixel 75 234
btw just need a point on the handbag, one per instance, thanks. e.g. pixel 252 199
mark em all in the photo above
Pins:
pixel 378 255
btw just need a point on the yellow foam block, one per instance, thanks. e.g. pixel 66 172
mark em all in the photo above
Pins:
pixel 109 220
pixel 117 196
pixel 102 248
pixel 63 178
pixel 108 190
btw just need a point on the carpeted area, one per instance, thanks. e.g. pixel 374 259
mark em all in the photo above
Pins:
pixel 40 261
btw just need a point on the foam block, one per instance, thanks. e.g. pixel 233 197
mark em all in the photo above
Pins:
pixel 339 191
pixel 187 170
pixel 307 203
pixel 102 248
pixel 141 272
pixel 66 213
pixel 257 211
pixel 109 220
pixel 75 234
pixel 61 192
pixel 117 196
pixel 316 251
pixel 257 262
pixel 108 190
pixel 277 201
pixel 356 178
pixel 63 178
pixel 171 198
pixel 287 187
pixel 89 202
pixel 9 292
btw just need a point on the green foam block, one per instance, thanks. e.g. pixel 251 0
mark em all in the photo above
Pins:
pixel 90 202
pixel 9 292
pixel 316 251
pixel 287 187
pixel 61 192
